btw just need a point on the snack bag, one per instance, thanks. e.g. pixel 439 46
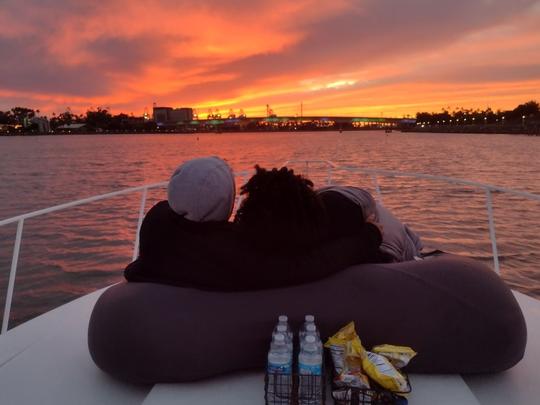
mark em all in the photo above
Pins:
pixel 347 353
pixel 384 373
pixel 399 356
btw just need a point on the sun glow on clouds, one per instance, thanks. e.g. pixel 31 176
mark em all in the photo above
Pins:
pixel 317 85
pixel 340 57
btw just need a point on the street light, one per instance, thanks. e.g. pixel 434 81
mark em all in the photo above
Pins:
pixel 522 120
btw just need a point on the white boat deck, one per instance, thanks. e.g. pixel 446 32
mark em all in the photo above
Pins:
pixel 46 361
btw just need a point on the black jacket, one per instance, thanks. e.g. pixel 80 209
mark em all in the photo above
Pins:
pixel 217 256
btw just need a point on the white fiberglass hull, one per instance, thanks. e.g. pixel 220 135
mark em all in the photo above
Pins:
pixel 46 361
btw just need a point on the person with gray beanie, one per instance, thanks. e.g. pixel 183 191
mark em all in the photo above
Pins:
pixel 202 190
pixel 188 241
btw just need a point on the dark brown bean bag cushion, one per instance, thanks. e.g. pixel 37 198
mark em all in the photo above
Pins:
pixel 455 312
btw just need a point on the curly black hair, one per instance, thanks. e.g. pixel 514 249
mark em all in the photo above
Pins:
pixel 281 209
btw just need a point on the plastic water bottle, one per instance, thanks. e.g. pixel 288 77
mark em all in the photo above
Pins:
pixel 284 320
pixel 308 320
pixel 311 330
pixel 310 372
pixel 282 329
pixel 279 370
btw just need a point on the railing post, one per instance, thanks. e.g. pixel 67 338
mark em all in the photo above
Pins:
pixel 139 223
pixel 489 205
pixel 240 198
pixel 377 188
pixel 12 273
pixel 329 177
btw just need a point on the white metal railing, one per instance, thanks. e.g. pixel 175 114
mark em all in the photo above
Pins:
pixel 331 167
pixel 374 173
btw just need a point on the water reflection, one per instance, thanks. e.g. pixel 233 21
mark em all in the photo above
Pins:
pixel 72 252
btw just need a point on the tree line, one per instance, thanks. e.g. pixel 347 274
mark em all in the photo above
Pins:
pixel 100 119
pixel 523 114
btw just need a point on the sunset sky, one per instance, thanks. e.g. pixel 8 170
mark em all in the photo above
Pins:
pixel 338 57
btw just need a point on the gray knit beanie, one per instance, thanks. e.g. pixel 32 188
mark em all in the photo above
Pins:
pixel 203 190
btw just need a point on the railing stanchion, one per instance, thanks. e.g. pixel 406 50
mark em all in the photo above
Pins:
pixel 329 177
pixel 240 198
pixel 493 237
pixel 12 273
pixel 377 188
pixel 139 223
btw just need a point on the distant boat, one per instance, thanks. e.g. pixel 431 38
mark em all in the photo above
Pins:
pixel 388 131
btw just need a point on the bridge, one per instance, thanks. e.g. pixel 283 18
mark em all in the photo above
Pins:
pixel 296 122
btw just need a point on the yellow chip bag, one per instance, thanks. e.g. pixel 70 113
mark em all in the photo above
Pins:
pixel 338 345
pixel 347 353
pixel 350 358
pixel 399 356
pixel 384 373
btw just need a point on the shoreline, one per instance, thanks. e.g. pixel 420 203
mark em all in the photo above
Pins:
pixel 437 130
pixel 531 131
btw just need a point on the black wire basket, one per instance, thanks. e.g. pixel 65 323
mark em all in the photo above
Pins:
pixel 294 389
pixel 376 395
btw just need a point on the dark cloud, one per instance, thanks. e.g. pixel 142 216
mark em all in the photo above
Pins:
pixel 484 73
pixel 126 55
pixel 375 32
pixel 380 30
pixel 27 66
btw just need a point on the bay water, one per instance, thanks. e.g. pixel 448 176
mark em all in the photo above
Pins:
pixel 75 251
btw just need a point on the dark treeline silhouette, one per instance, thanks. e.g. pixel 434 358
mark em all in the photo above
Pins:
pixel 25 120
pixel 525 118
pixel 524 115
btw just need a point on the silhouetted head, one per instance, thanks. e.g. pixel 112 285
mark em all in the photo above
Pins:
pixel 281 209
pixel 202 190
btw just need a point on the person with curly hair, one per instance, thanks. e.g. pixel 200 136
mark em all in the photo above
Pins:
pixel 281 209
pixel 284 213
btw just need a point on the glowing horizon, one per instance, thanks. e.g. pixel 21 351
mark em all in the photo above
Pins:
pixel 348 58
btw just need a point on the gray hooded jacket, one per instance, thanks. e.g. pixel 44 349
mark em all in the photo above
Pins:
pixel 398 240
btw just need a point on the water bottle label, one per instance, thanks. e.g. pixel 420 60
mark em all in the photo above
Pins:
pixel 280 368
pixel 310 369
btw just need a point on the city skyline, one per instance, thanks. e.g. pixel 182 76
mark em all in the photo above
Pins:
pixel 347 57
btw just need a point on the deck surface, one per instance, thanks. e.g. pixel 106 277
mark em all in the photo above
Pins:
pixel 46 361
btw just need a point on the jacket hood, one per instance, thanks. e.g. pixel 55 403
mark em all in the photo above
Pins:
pixel 203 190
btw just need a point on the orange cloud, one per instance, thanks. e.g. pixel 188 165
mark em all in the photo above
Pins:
pixel 345 57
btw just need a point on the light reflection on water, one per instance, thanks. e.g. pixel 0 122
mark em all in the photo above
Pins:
pixel 70 253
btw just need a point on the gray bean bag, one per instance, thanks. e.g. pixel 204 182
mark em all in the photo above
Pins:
pixel 456 313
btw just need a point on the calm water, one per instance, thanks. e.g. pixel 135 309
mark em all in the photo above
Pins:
pixel 67 254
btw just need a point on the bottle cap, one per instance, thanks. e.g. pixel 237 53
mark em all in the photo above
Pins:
pixel 310 327
pixel 281 328
pixel 309 318
pixel 283 318
pixel 279 338
pixel 310 339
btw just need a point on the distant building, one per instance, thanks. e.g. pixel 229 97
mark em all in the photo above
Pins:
pixel 168 116
pixel 181 115
pixel 42 124
pixel 161 115
pixel 70 128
